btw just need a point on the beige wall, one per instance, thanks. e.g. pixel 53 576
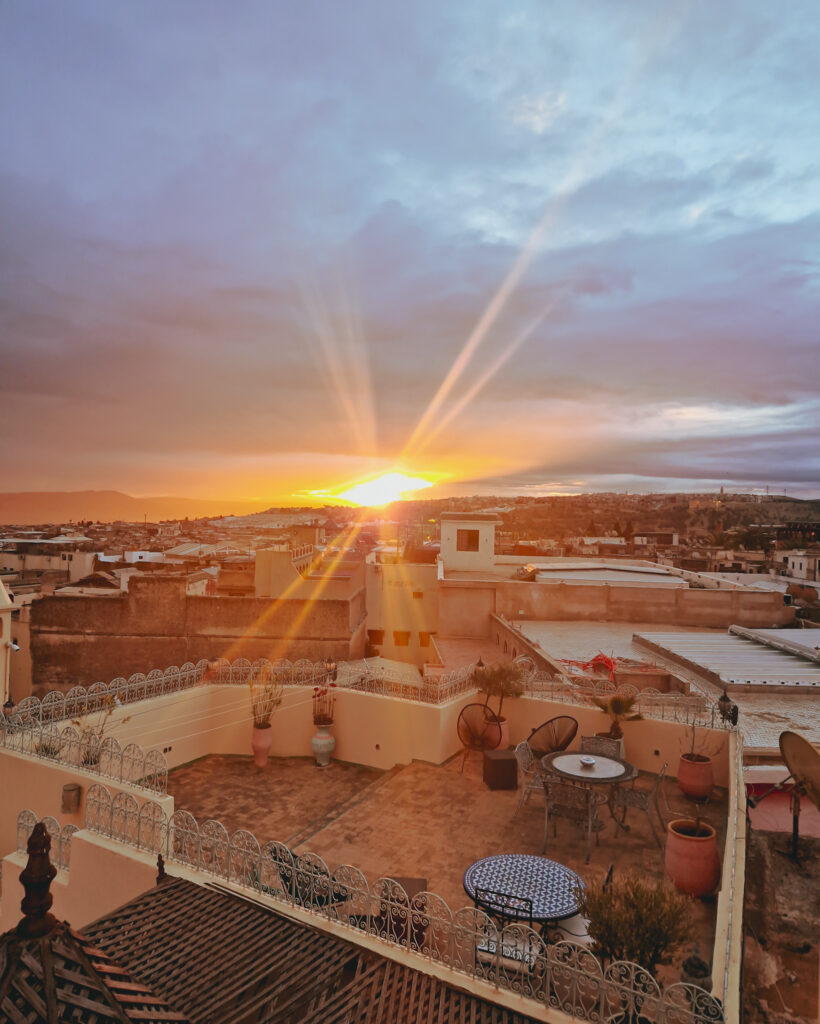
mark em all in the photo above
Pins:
pixel 372 730
pixel 103 875
pixel 80 564
pixel 5 639
pixel 391 607
pixel 467 561
pixel 464 606
pixel 464 609
pixel 37 784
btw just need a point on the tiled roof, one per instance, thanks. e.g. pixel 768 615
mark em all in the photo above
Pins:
pixel 224 959
pixel 52 974
pixel 63 977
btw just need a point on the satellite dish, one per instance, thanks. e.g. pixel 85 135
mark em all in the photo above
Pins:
pixel 803 762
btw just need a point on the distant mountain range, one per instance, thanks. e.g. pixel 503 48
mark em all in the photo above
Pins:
pixel 37 507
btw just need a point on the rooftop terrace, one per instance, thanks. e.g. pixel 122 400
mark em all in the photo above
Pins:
pixel 421 821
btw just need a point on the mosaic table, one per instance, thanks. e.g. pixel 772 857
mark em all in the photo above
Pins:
pixel 544 885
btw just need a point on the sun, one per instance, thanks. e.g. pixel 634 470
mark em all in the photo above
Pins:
pixel 381 490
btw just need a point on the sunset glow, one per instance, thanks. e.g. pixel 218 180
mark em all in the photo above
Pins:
pixel 365 292
pixel 384 489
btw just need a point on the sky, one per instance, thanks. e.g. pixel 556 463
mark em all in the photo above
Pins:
pixel 258 250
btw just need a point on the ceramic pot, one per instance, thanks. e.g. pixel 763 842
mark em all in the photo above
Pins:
pixel 695 776
pixel 504 743
pixel 692 860
pixel 260 745
pixel 323 745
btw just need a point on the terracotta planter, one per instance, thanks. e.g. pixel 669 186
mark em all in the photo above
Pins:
pixel 260 745
pixel 505 734
pixel 692 860
pixel 695 776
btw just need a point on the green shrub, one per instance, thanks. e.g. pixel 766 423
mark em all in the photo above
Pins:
pixel 632 919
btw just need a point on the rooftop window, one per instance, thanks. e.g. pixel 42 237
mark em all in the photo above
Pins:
pixel 467 540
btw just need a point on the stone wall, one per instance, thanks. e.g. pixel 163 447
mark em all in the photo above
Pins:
pixel 82 640
pixel 465 607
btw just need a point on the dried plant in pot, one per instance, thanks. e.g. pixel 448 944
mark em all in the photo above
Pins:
pixel 324 707
pixel 696 775
pixel 92 727
pixel 266 696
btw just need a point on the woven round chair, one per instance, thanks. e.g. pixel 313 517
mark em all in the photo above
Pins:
pixel 552 736
pixel 478 729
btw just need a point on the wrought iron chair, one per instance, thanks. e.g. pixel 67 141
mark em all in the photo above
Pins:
pixel 533 774
pixel 641 799
pixel 516 951
pixel 552 736
pixel 478 729
pixel 308 885
pixel 603 745
pixel 575 803
pixel 576 928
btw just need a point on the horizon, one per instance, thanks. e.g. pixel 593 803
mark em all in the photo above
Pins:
pixel 288 255
pixel 179 508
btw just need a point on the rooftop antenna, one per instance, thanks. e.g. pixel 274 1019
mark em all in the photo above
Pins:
pixel 803 762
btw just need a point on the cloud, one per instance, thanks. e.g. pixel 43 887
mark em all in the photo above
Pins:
pixel 228 240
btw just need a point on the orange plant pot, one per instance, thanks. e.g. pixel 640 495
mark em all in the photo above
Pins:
pixel 695 776
pixel 692 860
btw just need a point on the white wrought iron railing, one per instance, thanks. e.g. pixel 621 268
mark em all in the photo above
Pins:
pixel 355 675
pixel 85 750
pixel 565 976
pixel 60 836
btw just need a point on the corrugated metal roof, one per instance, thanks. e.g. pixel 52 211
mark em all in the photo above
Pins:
pixel 740 663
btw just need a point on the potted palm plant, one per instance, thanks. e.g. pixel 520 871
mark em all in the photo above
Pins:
pixel 501 680
pixel 266 696
pixel 619 709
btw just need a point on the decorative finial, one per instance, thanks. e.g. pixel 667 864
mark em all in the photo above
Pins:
pixel 161 875
pixel 36 879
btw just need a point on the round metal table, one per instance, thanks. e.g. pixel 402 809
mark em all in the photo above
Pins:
pixel 544 885
pixel 605 770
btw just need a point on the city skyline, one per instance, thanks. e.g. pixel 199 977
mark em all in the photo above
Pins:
pixel 268 255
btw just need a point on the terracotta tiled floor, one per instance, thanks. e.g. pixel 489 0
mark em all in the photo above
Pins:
pixel 419 820
pixel 276 803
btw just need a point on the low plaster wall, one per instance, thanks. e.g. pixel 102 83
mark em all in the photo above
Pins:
pixel 371 730
pixel 37 784
pixel 103 875
pixel 647 743
pixel 727 956
pixel 379 732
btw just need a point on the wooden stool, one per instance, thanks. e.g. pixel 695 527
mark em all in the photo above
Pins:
pixel 500 769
